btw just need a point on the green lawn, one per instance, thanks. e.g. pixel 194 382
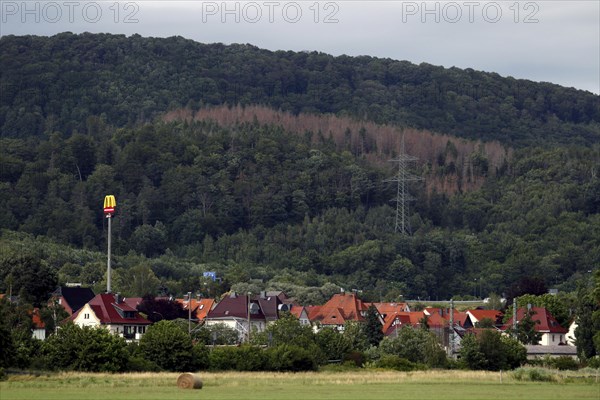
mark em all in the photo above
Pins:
pixel 363 385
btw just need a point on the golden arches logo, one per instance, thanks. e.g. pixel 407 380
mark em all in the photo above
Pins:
pixel 109 204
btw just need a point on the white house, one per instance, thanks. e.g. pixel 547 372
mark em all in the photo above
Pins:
pixel 110 311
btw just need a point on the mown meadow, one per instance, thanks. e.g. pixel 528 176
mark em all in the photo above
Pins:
pixel 528 384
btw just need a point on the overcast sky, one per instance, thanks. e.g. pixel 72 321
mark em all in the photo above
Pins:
pixel 552 41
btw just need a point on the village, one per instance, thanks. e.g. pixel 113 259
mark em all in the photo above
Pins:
pixel 248 314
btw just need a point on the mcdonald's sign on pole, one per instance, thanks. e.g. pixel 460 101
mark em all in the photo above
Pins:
pixel 109 205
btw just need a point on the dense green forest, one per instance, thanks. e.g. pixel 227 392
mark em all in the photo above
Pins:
pixel 82 116
pixel 56 83
pixel 259 204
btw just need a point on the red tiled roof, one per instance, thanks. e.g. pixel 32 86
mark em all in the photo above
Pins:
pixel 436 320
pixel 546 321
pixel 133 302
pixel 296 310
pixel 389 308
pixel 482 314
pixel 415 317
pixel 395 321
pixel 340 308
pixel 459 317
pixel 200 308
pixel 105 308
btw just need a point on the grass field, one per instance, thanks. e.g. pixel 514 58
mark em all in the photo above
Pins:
pixel 360 385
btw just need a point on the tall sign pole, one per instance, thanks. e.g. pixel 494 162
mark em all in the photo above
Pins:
pixel 109 209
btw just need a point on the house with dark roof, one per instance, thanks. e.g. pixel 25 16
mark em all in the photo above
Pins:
pixel 239 312
pixel 111 312
pixel 73 298
pixel 545 323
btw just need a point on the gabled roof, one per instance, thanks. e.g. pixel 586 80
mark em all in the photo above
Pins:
pixel 234 306
pixel 200 308
pixel 297 310
pixel 395 321
pixel 75 297
pixel 546 321
pixel 436 320
pixel 390 308
pixel 269 306
pixel 107 311
pixel 133 302
pixel 459 317
pixel 416 317
pixel 280 294
pixel 342 307
pixel 479 315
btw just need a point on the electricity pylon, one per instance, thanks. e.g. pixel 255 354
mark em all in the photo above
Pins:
pixel 403 197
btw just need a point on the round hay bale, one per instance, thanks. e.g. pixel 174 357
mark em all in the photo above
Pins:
pixel 189 381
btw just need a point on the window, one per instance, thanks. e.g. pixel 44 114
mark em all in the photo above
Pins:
pixel 86 316
pixel 552 338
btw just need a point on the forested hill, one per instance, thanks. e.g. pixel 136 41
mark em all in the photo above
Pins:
pixel 57 83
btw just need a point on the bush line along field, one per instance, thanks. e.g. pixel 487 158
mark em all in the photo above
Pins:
pixel 374 384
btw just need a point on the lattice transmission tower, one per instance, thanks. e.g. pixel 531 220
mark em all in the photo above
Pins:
pixel 403 197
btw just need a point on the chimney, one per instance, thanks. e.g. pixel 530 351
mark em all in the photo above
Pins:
pixel 117 298
pixel 198 296
pixel 263 294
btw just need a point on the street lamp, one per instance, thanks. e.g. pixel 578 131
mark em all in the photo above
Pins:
pixel 189 313
pixel 157 313
pixel 248 310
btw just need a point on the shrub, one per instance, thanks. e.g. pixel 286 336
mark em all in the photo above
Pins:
pixel 491 351
pixel 140 364
pixel 391 361
pixel 168 346
pixel 344 367
pixel 250 358
pixel 290 358
pixel 594 362
pixel 243 358
pixel 85 349
pixel 416 345
pixel 564 363
pixel 222 358
pixel 355 357
pixel 533 375
pixel 201 355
